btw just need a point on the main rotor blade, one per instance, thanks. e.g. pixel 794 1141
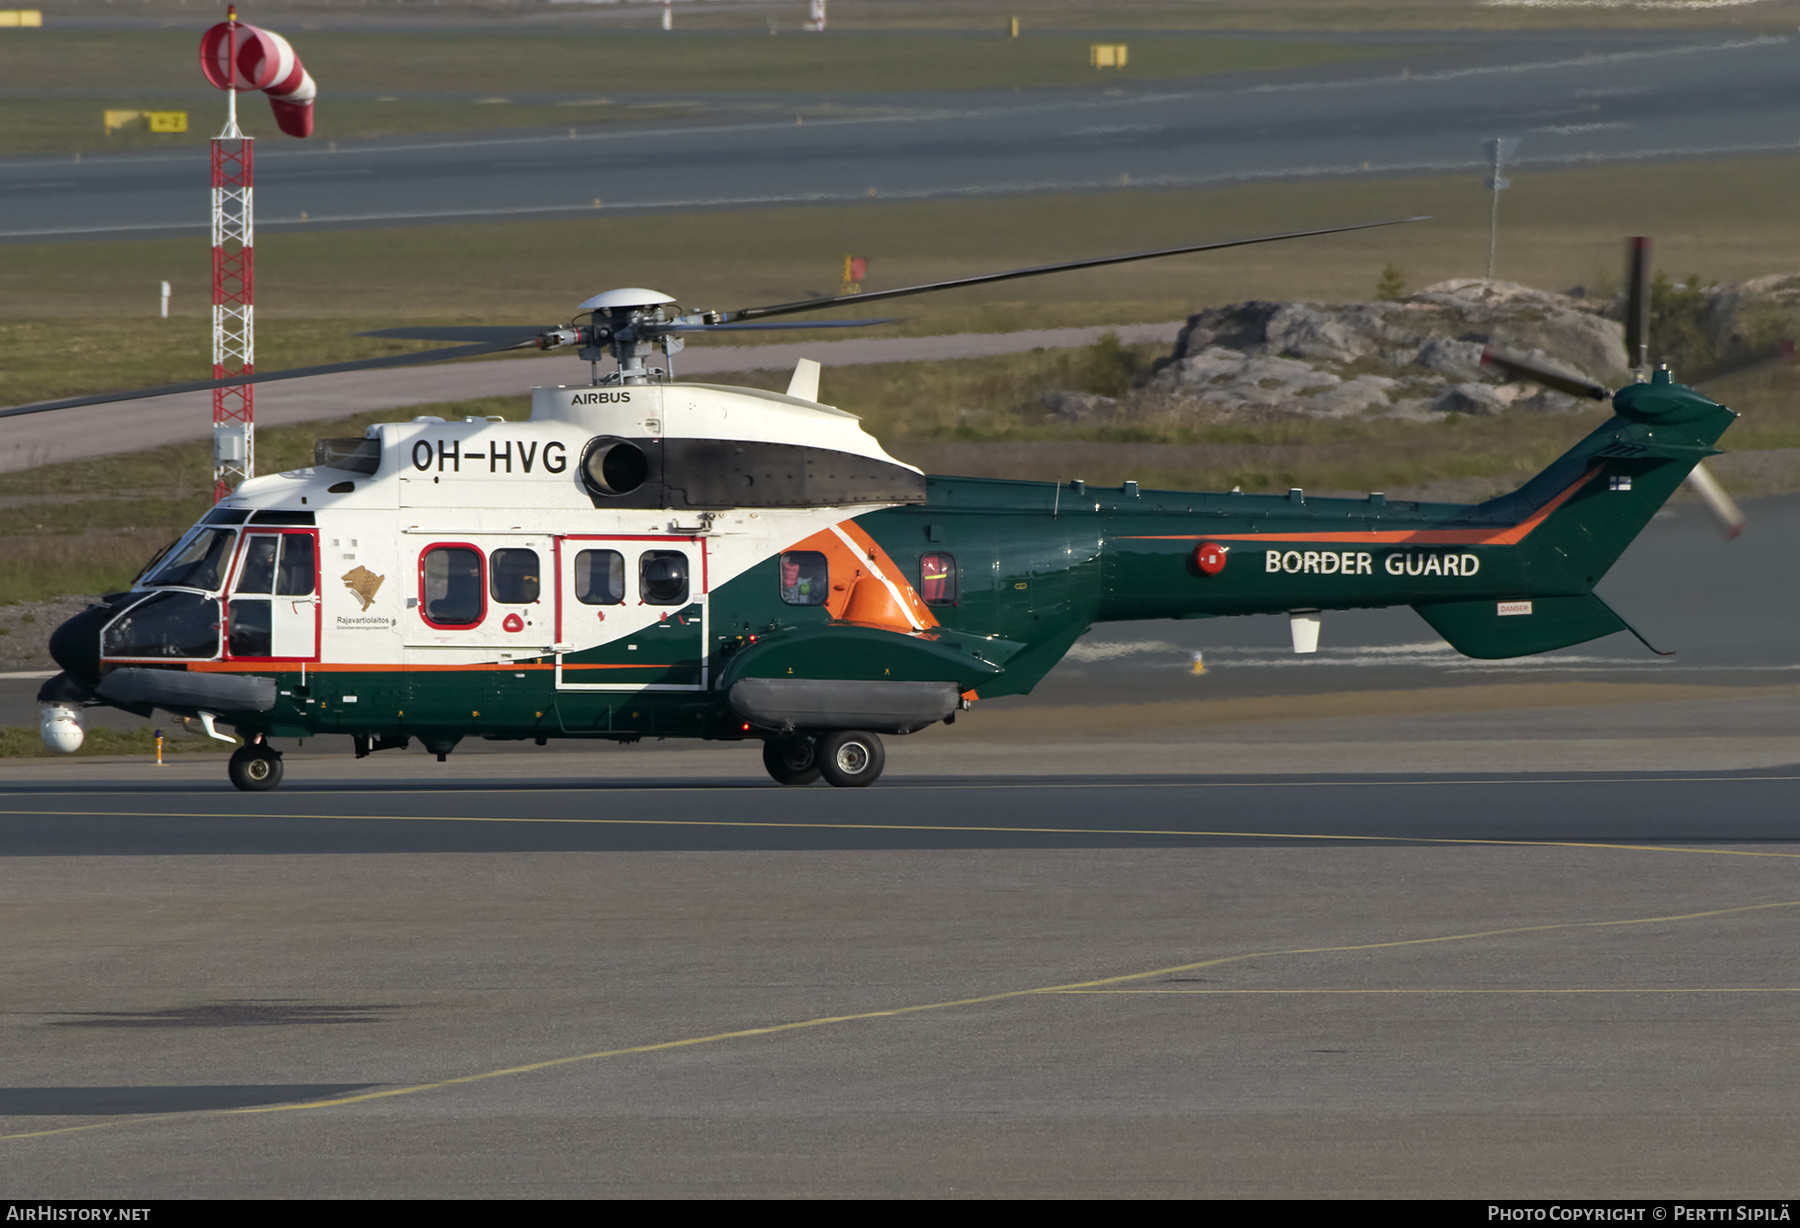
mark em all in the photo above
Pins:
pixel 486 334
pixel 1723 508
pixel 1574 385
pixel 1637 302
pixel 744 328
pixel 262 377
pixel 813 304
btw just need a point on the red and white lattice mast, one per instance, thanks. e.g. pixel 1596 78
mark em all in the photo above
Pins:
pixel 237 57
pixel 233 296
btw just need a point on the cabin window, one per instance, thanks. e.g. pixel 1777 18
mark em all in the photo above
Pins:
pixel 599 577
pixel 663 577
pixel 805 578
pixel 451 591
pixel 937 579
pixel 513 576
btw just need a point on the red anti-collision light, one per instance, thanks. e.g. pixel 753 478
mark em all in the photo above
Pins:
pixel 1209 557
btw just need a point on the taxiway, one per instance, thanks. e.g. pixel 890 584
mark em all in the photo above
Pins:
pixel 1530 984
pixel 1574 96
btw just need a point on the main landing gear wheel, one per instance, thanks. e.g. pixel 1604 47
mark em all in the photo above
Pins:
pixel 850 758
pixel 791 761
pixel 255 767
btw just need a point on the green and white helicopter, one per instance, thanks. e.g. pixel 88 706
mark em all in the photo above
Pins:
pixel 651 557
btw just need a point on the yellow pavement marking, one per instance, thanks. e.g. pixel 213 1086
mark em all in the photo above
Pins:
pixel 901 1011
pixel 973 829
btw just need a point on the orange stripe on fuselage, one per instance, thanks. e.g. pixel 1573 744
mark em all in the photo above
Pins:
pixel 327 667
pixel 1511 536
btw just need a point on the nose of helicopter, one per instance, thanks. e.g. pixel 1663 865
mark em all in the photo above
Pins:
pixel 75 645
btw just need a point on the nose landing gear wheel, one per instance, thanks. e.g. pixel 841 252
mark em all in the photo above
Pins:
pixel 850 758
pixel 255 767
pixel 791 761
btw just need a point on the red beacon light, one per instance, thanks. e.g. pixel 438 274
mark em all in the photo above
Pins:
pixel 1209 557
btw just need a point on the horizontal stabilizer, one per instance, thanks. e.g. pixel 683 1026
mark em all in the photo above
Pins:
pixel 1493 629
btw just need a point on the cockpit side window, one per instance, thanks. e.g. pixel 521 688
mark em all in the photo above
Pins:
pixel 257 573
pixel 198 564
pixel 297 577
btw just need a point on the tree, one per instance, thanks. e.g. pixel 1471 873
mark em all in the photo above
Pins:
pixel 1392 286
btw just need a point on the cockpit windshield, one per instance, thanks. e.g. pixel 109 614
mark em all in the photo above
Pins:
pixel 198 563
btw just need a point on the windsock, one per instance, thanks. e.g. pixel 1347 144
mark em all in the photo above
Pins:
pixel 235 56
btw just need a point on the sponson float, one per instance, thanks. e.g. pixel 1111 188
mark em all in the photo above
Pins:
pixel 649 557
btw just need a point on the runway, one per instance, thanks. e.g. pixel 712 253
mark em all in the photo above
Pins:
pixel 1584 96
pixel 692 982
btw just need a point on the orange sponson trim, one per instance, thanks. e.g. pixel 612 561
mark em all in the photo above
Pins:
pixel 326 667
pixel 872 550
pixel 1417 537
pixel 850 566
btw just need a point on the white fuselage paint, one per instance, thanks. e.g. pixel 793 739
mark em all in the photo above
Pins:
pixel 499 485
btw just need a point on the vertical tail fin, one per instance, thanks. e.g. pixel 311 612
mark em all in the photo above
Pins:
pixel 1575 519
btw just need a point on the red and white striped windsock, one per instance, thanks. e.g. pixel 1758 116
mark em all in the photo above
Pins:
pixel 235 56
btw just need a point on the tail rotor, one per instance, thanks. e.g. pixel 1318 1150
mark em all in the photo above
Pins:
pixel 1723 509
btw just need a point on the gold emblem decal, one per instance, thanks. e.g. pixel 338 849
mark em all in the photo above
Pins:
pixel 364 583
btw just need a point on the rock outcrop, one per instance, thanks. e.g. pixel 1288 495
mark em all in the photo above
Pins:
pixel 1419 357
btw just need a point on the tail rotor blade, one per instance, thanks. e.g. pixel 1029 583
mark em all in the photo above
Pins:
pixel 1574 385
pixel 1724 509
pixel 1637 302
pixel 1779 354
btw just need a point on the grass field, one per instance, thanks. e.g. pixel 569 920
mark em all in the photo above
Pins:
pixel 21 743
pixel 80 317
pixel 65 325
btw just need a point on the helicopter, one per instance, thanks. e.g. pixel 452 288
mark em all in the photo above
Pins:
pixel 647 557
